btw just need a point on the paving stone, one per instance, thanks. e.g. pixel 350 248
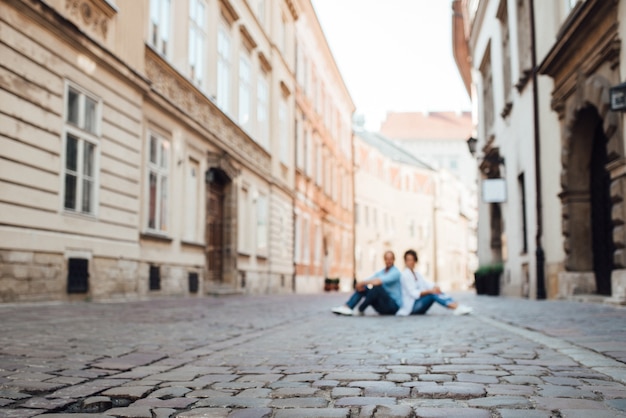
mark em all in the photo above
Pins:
pixel 252 413
pixel 436 378
pixel 13 394
pixel 342 391
pixel 237 385
pixel 131 412
pixel 266 378
pixel 476 378
pixel 233 402
pixel 313 413
pixel 372 384
pixel 176 403
pixel 566 403
pixel 524 413
pixel 299 403
pixel 255 393
pixel 386 411
pixel 513 390
pixel 20 413
pixel 96 404
pixel 325 383
pixel 523 380
pixel 393 391
pixel 76 392
pixel 5 402
pixel 500 402
pixel 562 381
pixel 454 390
pixel 587 413
pixel 452 413
pixel 294 392
pixel 170 392
pixel 128 361
pixel 343 376
pixel 303 377
pixel 619 404
pixel 408 369
pixel 208 393
pixel 163 412
pixel 205 413
pixel 552 391
pixel 363 400
pixel 128 392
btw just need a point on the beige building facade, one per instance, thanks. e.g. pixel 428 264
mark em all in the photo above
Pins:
pixel 147 149
pixel 403 203
pixel 539 74
pixel 324 222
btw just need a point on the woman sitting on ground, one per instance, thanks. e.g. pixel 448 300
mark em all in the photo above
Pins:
pixel 418 295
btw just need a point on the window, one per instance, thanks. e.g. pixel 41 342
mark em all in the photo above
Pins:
pixel 300 141
pixel 318 164
pixel 191 201
pixel 356 213
pixel 262 212
pixel 522 191
pixel 77 275
pixel 82 126
pixel 318 244
pixel 244 91
pixel 487 90
pixel 243 226
pixel 308 154
pixel 223 68
pixel 160 25
pixel 306 235
pixel 284 131
pixel 298 239
pixel 197 41
pixel 282 35
pixel 158 183
pixel 262 112
pixel 503 16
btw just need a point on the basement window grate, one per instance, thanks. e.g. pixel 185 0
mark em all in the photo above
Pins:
pixel 77 275
pixel 155 277
pixel 193 282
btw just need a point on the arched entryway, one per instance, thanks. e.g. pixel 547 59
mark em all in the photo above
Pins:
pixel 587 200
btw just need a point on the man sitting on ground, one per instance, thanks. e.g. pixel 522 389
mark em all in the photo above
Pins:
pixel 382 291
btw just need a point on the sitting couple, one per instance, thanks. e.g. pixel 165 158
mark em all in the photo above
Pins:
pixel 390 292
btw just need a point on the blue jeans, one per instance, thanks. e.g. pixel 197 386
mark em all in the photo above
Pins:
pixel 377 297
pixel 424 303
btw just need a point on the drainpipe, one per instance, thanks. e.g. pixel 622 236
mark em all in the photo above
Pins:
pixel 539 253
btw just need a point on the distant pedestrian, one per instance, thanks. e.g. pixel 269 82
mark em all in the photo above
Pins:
pixel 382 291
pixel 418 294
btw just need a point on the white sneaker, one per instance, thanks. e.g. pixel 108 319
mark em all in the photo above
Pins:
pixel 342 310
pixel 356 312
pixel 463 310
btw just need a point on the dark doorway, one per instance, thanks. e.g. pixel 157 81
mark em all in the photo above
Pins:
pixel 216 192
pixel 601 225
pixel 77 275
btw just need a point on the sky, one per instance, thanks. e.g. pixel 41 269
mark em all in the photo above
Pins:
pixel 394 55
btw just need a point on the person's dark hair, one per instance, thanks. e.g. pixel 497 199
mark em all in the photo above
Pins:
pixel 411 252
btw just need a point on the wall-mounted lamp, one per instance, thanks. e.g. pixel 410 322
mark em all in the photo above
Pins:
pixel 617 94
pixel 471 145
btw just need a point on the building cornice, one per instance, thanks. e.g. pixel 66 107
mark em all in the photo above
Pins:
pixel 168 83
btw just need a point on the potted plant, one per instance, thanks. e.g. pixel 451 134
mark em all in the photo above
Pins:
pixel 487 279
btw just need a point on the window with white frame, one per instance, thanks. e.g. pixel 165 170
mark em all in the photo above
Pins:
pixel 318 244
pixel 245 103
pixel 197 41
pixel 223 68
pixel 160 21
pixel 243 226
pixel 262 111
pixel 82 130
pixel 300 140
pixel 306 243
pixel 283 126
pixel 298 238
pixel 262 221
pixel 318 164
pixel 158 183
pixel 192 187
pixel 282 34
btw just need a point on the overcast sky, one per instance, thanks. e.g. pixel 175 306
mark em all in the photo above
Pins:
pixel 394 55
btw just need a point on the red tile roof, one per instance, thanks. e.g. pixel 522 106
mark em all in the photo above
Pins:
pixel 433 125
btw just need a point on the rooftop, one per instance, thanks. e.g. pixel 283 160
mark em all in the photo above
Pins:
pixel 432 125
pixel 388 148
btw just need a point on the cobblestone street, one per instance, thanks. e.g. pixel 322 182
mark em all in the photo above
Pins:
pixel 288 356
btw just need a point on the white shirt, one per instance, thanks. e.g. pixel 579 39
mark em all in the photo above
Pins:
pixel 413 284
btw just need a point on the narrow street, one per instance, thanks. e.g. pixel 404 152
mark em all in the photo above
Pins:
pixel 288 356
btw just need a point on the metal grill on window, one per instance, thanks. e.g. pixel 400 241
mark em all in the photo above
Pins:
pixel 155 278
pixel 77 275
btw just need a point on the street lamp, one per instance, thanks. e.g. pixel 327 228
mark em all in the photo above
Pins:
pixel 471 145
pixel 617 95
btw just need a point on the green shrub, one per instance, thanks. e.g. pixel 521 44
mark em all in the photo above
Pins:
pixel 496 268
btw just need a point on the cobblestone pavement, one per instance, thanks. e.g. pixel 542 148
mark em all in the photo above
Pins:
pixel 288 356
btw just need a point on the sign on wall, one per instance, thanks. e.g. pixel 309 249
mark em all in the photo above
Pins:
pixel 494 190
